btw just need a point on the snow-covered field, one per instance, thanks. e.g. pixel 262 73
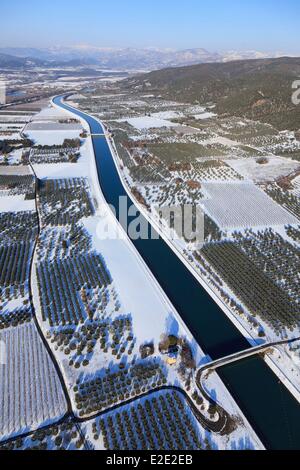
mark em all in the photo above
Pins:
pixel 30 391
pixel 51 137
pixel 167 115
pixel 13 136
pixel 45 128
pixel 296 186
pixel 50 113
pixel 147 122
pixel 152 314
pixel 64 169
pixel 16 203
pixel 140 428
pixel 275 168
pixel 52 126
pixel 203 116
pixel 15 170
pixel 242 205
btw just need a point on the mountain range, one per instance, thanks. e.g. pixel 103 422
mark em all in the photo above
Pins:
pixel 109 58
pixel 10 61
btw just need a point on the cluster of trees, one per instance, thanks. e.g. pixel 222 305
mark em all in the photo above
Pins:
pixel 294 233
pixel 64 204
pixel 15 263
pixel 252 286
pixel 262 160
pixel 17 184
pixel 61 280
pixel 72 143
pixel 79 343
pixel 15 318
pixel 160 423
pixel 7 146
pixel 59 437
pixel 62 242
pixel 18 226
pixel 285 198
pixel 276 257
pixel 104 392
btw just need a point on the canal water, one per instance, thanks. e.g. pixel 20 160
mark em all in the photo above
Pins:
pixel 269 407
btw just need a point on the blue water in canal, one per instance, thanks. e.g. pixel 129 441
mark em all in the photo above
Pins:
pixel 267 404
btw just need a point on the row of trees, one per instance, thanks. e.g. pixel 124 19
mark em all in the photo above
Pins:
pixel 159 423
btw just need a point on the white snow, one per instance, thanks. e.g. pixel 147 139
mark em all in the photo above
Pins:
pixel 147 122
pixel 65 169
pixel 51 137
pixel 204 116
pixel 139 296
pixel 275 168
pixel 16 204
pixel 52 126
pixel 48 114
pixel 45 128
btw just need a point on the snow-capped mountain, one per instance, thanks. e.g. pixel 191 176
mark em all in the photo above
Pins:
pixel 130 58
pixel 247 55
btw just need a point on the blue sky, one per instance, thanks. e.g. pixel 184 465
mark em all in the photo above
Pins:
pixel 267 25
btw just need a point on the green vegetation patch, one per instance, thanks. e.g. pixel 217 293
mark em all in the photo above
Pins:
pixel 170 153
pixel 256 290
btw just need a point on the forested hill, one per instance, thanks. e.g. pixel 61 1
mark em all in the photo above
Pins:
pixel 256 89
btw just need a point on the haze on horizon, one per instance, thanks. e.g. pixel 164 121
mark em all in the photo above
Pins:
pixel 216 26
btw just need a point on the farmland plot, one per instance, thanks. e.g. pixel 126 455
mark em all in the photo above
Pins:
pixel 65 201
pixel 233 205
pixel 18 226
pixel 30 391
pixel 285 198
pixel 64 436
pixel 254 288
pixel 277 258
pixel 274 167
pixel 60 283
pixel 17 184
pixel 222 173
pixel 296 186
pixel 63 242
pixel 15 263
pixel 16 248
pixel 136 426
